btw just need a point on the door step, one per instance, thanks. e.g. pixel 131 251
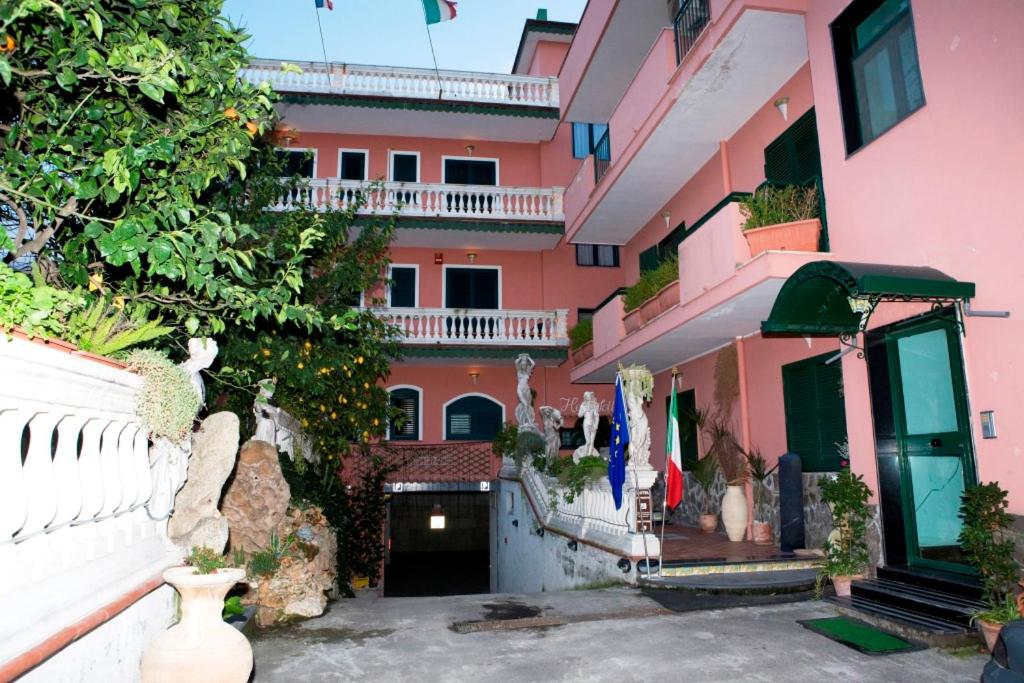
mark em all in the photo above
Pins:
pixel 746 582
pixel 953 584
pixel 672 568
pixel 910 625
pixel 913 599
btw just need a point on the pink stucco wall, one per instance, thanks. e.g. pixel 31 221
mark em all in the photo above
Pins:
pixel 547 58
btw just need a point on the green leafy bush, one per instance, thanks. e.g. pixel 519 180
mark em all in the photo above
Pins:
pixel 986 542
pixel 574 477
pixel 773 205
pixel 205 560
pixel 759 473
pixel 581 333
pixel 504 444
pixel 704 472
pixel 233 607
pixel 267 561
pixel 650 283
pixel 847 495
pixel 528 444
pixel 167 403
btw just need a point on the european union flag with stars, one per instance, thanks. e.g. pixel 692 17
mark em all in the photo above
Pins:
pixel 620 439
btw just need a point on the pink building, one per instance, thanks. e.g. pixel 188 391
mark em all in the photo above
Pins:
pixel 882 330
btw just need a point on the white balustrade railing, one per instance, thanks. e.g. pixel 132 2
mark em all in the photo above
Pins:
pixel 75 482
pixel 356 79
pixel 591 516
pixel 427 199
pixel 479 327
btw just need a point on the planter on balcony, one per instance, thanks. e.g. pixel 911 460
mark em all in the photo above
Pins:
pixel 583 353
pixel 650 310
pixel 632 321
pixel 795 236
pixel 669 296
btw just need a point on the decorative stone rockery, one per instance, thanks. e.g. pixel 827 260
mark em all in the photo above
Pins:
pixel 257 497
pixel 308 571
pixel 196 521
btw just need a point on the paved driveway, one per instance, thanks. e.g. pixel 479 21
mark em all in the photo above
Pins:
pixel 602 635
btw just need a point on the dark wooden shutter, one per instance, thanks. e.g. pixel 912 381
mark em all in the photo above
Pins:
pixel 407 401
pixel 649 259
pixel 815 412
pixel 793 158
pixel 687 407
pixel 669 246
pixel 403 287
pixel 472 418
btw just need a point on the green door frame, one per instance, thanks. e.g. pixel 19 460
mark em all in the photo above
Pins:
pixel 921 444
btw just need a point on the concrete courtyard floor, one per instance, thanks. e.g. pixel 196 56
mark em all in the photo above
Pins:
pixel 604 635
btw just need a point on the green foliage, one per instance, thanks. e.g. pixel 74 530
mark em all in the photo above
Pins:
pixel 528 445
pixel 504 444
pixel 574 477
pixel 31 304
pixel 267 561
pixel 704 472
pixel 167 403
pixel 847 495
pixel 651 282
pixel 773 205
pixel 757 466
pixel 722 443
pixel 985 540
pixel 205 560
pixel 125 132
pixel 999 612
pixel 581 333
pixel 104 329
pixel 233 607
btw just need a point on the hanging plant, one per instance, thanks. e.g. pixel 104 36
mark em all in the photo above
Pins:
pixel 167 402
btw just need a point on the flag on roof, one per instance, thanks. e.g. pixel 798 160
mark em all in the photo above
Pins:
pixel 437 11
pixel 320 4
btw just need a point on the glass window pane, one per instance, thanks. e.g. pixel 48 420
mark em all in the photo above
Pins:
pixel 403 168
pixel 911 72
pixel 580 140
pixel 927 381
pixel 872 75
pixel 877 21
pixel 584 254
pixel 297 162
pixel 938 483
pixel 353 166
pixel 403 287
pixel 606 254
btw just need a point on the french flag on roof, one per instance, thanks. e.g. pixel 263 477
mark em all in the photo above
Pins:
pixel 437 11
pixel 321 3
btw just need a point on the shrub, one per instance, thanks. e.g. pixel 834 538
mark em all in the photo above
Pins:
pixel 651 282
pixel 528 444
pixel 704 472
pixel 847 495
pixel 167 403
pixel 985 542
pixel 581 333
pixel 504 444
pixel 205 560
pixel 772 205
pixel 759 472
pixel 576 476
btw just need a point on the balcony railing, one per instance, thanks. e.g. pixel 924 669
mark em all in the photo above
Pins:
pixel 479 327
pixel 690 21
pixel 602 156
pixel 378 81
pixel 428 199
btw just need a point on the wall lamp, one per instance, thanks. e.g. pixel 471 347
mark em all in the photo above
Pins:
pixel 539 531
pixel 474 376
pixel 469 149
pixel 471 257
pixel 782 104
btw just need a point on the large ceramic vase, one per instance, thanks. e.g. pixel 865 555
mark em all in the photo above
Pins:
pixel 734 512
pixel 201 647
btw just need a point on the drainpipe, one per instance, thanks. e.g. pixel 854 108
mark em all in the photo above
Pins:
pixel 723 155
pixel 741 367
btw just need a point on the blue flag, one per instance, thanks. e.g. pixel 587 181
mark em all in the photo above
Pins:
pixel 620 439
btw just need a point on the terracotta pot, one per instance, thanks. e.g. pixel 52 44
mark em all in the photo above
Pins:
pixel 583 353
pixel 842 585
pixel 795 236
pixel 990 632
pixel 669 296
pixel 708 523
pixel 762 533
pixel 650 310
pixel 202 646
pixel 632 321
pixel 66 347
pixel 734 512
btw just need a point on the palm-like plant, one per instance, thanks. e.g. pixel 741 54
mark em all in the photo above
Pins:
pixel 704 473
pixel 759 472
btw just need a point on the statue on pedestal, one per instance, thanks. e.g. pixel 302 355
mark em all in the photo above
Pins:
pixel 589 412
pixel 201 353
pixel 638 386
pixel 524 411
pixel 552 418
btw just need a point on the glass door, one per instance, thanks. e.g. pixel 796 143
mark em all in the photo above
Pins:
pixel 933 434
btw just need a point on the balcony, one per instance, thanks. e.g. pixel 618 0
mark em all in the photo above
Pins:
pixel 479 327
pixel 386 100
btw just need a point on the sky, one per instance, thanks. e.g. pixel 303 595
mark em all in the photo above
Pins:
pixel 483 37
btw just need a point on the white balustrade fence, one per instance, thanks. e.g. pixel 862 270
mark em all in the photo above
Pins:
pixel 427 199
pixel 479 327
pixel 75 482
pixel 355 79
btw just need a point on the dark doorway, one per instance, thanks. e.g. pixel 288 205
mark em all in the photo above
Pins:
pixel 453 560
pixel 471 288
pixel 470 172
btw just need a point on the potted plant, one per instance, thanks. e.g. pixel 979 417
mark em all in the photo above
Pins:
pixel 759 473
pixel 201 646
pixel 704 472
pixel 581 340
pixel 986 543
pixel 846 550
pixel 655 292
pixel 733 464
pixel 782 217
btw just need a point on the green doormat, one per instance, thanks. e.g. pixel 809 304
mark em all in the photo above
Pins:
pixel 860 636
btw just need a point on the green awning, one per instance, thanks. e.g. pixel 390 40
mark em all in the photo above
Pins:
pixel 830 298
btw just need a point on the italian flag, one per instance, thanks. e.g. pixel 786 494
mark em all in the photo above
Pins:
pixel 438 10
pixel 673 456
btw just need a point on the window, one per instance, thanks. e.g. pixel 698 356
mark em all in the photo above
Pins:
pixel 470 171
pixel 667 248
pixel 815 412
pixel 585 137
pixel 402 290
pixel 472 418
pixel 405 167
pixel 407 426
pixel 298 162
pixel 687 407
pixel 352 164
pixel 472 288
pixel 876 67
pixel 597 255
pixel 793 157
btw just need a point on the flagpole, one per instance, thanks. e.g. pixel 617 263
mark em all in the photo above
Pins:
pixel 664 497
pixel 323 46
pixel 437 72
pixel 636 483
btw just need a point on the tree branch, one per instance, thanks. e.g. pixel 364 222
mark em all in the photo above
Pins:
pixel 43 236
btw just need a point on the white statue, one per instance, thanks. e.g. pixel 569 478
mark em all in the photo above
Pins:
pixel 266 414
pixel 168 466
pixel 277 426
pixel 638 386
pixel 590 414
pixel 201 353
pixel 524 411
pixel 552 418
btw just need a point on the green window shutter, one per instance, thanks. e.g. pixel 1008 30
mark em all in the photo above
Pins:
pixel 815 412
pixel 668 247
pixel 649 259
pixel 408 402
pixel 687 425
pixel 793 158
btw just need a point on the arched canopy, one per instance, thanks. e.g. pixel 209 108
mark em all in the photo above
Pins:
pixel 830 298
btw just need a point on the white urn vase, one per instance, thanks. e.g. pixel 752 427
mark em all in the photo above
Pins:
pixel 202 646
pixel 734 512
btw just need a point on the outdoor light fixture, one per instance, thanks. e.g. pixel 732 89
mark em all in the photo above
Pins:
pixel 437 518
pixel 471 257
pixel 573 545
pixel 782 104
pixel 474 376
pixel 469 149
pixel 667 215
